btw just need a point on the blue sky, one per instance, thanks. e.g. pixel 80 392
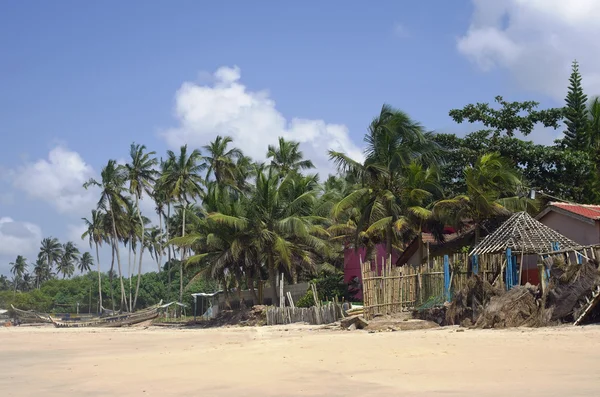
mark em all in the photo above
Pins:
pixel 80 81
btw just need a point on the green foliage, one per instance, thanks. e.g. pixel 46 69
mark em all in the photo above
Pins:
pixel 329 285
pixel 576 114
pixel 509 118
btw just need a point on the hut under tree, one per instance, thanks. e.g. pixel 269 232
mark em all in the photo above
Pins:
pixel 520 244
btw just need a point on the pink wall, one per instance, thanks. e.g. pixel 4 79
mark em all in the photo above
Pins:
pixel 352 259
pixel 577 230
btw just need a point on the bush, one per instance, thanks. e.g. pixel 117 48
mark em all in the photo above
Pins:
pixel 329 286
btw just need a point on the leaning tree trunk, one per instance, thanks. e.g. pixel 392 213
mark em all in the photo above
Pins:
pixel 389 232
pixel 250 285
pixel 160 251
pixel 137 204
pixel 130 270
pixel 182 258
pixel 168 249
pixel 116 245
pixel 110 277
pixel 99 278
pixel 137 287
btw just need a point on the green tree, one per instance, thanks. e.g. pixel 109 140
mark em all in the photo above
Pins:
pixel 95 234
pixel 141 175
pixel 492 188
pixel 50 252
pixel 70 255
pixel 576 114
pixel 18 269
pixel 396 146
pixel 182 179
pixel 221 161
pixel 286 157
pixel 112 201
pixel 510 118
pixel 85 262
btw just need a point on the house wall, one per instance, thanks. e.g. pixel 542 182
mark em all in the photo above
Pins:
pixel 297 291
pixel 577 230
pixel 352 260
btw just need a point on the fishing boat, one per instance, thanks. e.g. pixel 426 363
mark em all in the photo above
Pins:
pixel 119 320
pixel 30 316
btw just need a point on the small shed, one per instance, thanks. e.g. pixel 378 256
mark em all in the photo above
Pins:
pixel 521 241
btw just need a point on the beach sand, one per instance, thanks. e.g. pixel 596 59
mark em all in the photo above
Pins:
pixel 299 361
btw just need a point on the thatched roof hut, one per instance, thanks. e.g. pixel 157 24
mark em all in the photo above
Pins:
pixel 523 234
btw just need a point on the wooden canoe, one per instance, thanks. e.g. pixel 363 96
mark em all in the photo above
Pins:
pixel 120 320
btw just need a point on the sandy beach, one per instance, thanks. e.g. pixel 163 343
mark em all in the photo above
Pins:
pixel 299 361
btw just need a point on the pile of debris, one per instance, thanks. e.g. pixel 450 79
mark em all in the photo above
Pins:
pixel 257 315
pixel 565 298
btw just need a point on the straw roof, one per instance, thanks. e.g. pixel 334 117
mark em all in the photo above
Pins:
pixel 523 234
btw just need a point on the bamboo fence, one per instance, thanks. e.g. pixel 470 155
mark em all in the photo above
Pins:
pixel 315 315
pixel 390 289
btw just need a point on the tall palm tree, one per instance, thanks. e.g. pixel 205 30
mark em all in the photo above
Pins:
pixel 50 252
pixel 492 189
pixel 220 161
pixel 85 262
pixel 70 255
pixel 395 145
pixel 39 271
pixel 112 200
pixel 18 269
pixel 182 180
pixel 141 175
pixel 287 157
pixel 95 233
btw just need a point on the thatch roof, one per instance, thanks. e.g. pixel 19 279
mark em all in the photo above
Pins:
pixel 523 234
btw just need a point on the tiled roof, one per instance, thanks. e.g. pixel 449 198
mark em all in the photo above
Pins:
pixel 585 210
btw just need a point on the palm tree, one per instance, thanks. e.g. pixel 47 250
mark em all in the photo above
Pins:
pixel 112 201
pixel 50 252
pixel 41 271
pixel 141 175
pixel 182 180
pixel 95 233
pixel 396 146
pixel 287 157
pixel 220 162
pixel 492 188
pixel 273 225
pixel 85 262
pixel 70 255
pixel 18 269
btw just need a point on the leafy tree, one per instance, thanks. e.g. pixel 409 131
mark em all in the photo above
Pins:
pixel 182 180
pixel 50 252
pixel 221 161
pixel 141 175
pixel 396 147
pixel 492 188
pixel 95 233
pixel 70 255
pixel 509 118
pixel 577 135
pixel 286 157
pixel 112 201
pixel 85 262
pixel 18 269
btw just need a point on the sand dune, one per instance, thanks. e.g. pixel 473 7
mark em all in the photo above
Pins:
pixel 299 361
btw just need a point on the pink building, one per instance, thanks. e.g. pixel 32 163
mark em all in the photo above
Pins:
pixel 352 258
pixel 579 222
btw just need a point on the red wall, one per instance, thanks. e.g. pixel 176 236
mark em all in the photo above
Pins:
pixel 352 263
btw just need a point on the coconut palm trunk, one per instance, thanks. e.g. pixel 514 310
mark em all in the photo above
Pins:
pixel 182 257
pixel 116 245
pixel 273 280
pixel 110 277
pixel 99 277
pixel 137 287
pixel 160 221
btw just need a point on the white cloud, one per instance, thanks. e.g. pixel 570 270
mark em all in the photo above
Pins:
pixel 58 180
pixel 227 107
pixel 536 40
pixel 74 232
pixel 18 238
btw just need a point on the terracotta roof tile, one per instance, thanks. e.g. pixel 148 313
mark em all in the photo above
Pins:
pixel 585 210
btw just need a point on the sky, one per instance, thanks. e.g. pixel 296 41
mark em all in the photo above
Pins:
pixel 81 81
